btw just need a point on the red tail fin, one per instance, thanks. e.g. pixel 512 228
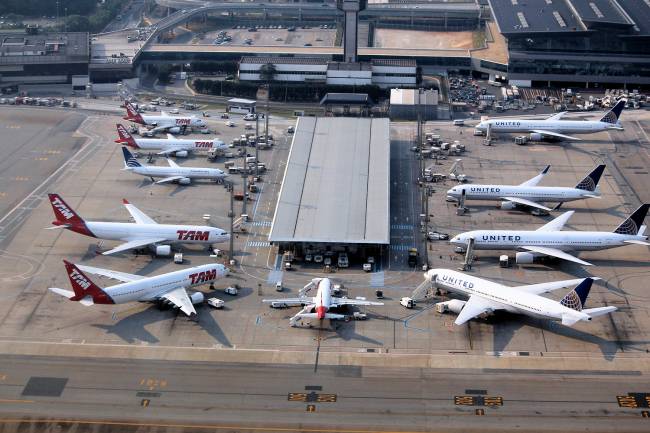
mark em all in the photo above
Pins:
pixel 66 216
pixel 83 287
pixel 125 137
pixel 132 114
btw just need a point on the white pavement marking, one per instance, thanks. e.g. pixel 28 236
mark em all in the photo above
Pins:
pixel 49 178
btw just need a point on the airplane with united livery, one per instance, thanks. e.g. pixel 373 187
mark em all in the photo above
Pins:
pixel 319 306
pixel 549 240
pixel 178 147
pixel 554 127
pixel 144 233
pixel 487 297
pixel 528 194
pixel 170 288
pixel 174 173
pixel 164 122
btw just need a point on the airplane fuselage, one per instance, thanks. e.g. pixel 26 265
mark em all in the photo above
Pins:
pixel 150 289
pixel 188 172
pixel 172 121
pixel 559 126
pixel 533 193
pixel 507 298
pixel 178 144
pixel 323 298
pixel 565 241
pixel 172 233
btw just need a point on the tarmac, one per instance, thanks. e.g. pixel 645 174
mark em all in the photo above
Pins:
pixel 406 363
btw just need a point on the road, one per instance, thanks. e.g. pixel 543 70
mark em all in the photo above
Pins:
pixel 130 18
pixel 266 397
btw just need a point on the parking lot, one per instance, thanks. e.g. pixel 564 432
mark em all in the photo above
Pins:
pixel 299 36
pixel 94 185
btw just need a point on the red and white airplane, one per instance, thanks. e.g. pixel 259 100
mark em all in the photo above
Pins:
pixel 318 307
pixel 179 147
pixel 144 232
pixel 163 122
pixel 169 288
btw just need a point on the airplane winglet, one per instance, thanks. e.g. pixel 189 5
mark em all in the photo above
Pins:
pixel 548 167
pixel 125 201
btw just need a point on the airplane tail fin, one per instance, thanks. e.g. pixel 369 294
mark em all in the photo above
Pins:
pixel 66 217
pixel 84 289
pixel 132 114
pixel 590 182
pixel 577 297
pixel 125 137
pixel 633 224
pixel 613 115
pixel 129 159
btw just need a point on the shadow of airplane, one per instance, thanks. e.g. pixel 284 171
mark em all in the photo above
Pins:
pixel 132 328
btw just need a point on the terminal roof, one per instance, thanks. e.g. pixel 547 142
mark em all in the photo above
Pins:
pixel 336 186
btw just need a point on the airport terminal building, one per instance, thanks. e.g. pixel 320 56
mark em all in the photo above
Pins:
pixel 42 58
pixel 335 194
pixel 575 42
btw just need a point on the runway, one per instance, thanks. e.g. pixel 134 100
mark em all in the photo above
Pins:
pixel 193 396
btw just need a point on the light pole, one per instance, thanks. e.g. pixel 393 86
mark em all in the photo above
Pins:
pixel 230 188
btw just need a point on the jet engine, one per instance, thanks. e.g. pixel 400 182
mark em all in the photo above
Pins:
pixel 175 130
pixel 197 298
pixel 184 181
pixel 455 305
pixel 163 250
pixel 181 154
pixel 507 205
pixel 524 258
pixel 536 136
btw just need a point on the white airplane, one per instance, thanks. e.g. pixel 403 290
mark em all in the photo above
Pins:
pixel 163 122
pixel 318 307
pixel 550 240
pixel 555 128
pixel 173 173
pixel 528 193
pixel 178 147
pixel 145 232
pixel 169 288
pixel 485 297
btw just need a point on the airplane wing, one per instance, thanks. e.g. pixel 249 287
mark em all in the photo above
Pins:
pixel 553 252
pixel 538 289
pixel 348 301
pixel 179 298
pixel 168 151
pixel 557 116
pixel 291 301
pixel 161 128
pixel 115 275
pixel 139 216
pixel 556 135
pixel 170 179
pixel 556 224
pixel 136 243
pixel 474 307
pixel 537 179
pixel 170 137
pixel 172 163
pixel 526 203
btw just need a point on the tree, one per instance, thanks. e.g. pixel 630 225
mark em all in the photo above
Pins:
pixel 267 72
pixel 77 23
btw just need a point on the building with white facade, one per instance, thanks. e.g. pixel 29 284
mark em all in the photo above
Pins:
pixel 381 72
